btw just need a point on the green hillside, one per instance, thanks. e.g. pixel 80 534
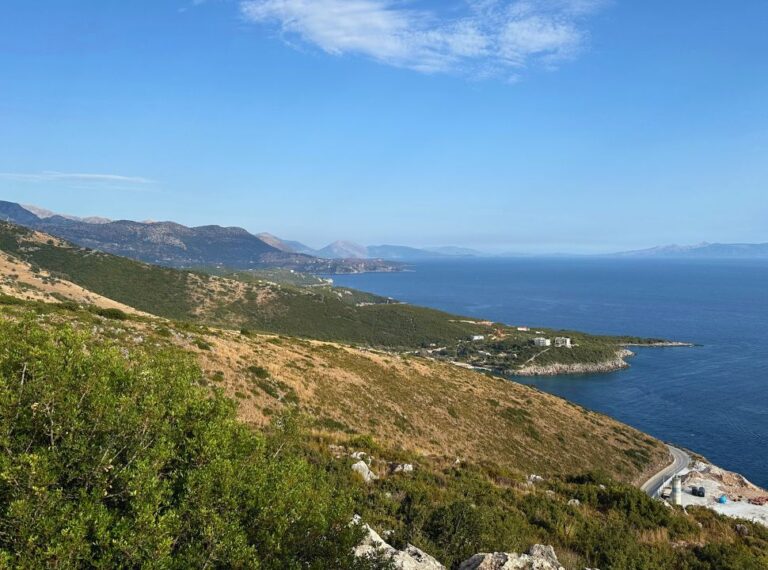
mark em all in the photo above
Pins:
pixel 117 453
pixel 322 313
pixel 156 290
pixel 288 304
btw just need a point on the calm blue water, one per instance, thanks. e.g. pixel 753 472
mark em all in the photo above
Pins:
pixel 712 399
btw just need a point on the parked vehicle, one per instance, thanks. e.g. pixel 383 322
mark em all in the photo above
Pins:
pixel 698 491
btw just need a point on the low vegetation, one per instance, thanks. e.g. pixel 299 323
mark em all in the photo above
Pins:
pixel 433 408
pixel 453 510
pixel 126 455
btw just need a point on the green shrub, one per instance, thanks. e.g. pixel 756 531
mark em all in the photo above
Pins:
pixel 516 416
pixel 259 371
pixel 108 461
pixel 114 314
pixel 268 388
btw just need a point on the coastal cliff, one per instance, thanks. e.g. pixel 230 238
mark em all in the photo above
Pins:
pixel 559 368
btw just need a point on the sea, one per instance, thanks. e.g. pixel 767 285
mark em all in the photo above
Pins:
pixel 712 398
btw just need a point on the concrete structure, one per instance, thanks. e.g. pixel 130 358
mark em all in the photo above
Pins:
pixel 523 329
pixel 677 491
pixel 478 337
pixel 541 341
pixel 563 342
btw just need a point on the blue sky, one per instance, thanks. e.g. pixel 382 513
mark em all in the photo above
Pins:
pixel 532 125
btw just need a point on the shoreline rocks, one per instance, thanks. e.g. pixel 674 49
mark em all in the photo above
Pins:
pixel 559 369
pixel 745 500
pixel 662 344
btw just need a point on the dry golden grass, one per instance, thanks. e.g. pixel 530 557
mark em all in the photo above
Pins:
pixel 17 279
pixel 427 407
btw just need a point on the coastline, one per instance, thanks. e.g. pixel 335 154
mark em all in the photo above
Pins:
pixel 743 499
pixel 604 367
pixel 561 369
pixel 661 344
pixel 665 370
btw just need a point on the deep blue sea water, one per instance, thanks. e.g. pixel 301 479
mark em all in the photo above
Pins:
pixel 712 399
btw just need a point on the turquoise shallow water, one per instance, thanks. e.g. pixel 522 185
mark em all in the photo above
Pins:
pixel 712 398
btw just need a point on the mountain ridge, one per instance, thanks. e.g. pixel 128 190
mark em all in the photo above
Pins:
pixel 701 250
pixel 174 245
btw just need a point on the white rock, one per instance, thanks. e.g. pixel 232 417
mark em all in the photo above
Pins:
pixel 533 478
pixel 361 455
pixel 400 468
pixel 409 559
pixel 574 502
pixel 365 472
pixel 539 557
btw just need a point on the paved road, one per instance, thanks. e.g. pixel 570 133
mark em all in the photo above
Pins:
pixel 681 460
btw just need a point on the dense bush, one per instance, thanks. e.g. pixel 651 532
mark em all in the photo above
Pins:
pixel 111 313
pixel 112 461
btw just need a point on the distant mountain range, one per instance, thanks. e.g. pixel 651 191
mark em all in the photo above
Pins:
pixel 287 246
pixel 174 245
pixel 702 250
pixel 43 213
pixel 350 250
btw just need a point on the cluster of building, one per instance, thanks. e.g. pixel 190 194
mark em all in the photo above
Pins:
pixel 540 341
pixel 560 342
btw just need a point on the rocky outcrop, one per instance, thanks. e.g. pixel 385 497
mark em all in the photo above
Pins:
pixel 539 557
pixel 400 468
pixel 364 462
pixel 373 546
pixel 361 467
pixel 558 368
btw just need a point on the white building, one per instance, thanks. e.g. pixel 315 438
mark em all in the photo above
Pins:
pixel 478 337
pixel 541 341
pixel 563 342
pixel 523 329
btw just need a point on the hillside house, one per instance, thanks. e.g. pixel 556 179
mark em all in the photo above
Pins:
pixel 478 337
pixel 563 342
pixel 542 342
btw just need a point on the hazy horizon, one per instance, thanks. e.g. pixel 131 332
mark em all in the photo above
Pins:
pixel 500 250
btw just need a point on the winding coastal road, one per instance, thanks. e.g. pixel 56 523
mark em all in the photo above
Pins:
pixel 680 460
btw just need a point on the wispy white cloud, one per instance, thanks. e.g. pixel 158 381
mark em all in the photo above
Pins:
pixel 486 37
pixel 75 177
